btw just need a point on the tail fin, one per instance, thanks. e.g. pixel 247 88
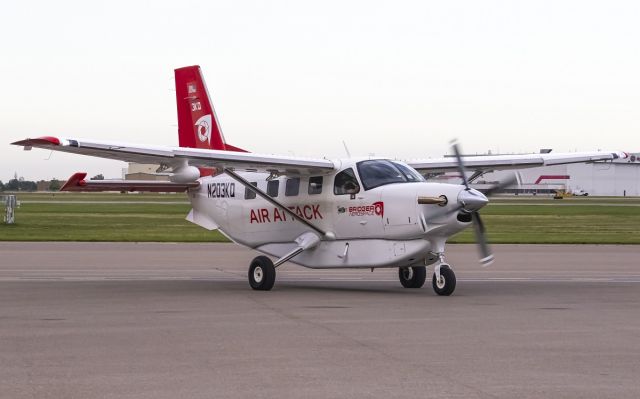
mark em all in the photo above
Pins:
pixel 198 125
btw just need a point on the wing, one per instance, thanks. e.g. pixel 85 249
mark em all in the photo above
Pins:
pixel 502 162
pixel 175 157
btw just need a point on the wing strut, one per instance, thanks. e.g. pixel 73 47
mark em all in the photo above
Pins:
pixel 305 241
pixel 329 235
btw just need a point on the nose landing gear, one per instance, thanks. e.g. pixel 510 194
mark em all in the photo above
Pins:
pixel 444 280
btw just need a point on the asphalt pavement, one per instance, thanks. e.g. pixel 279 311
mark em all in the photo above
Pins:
pixel 112 320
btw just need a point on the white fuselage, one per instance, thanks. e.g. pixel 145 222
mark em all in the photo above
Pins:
pixel 383 226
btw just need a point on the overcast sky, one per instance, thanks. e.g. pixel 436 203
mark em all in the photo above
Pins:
pixel 396 78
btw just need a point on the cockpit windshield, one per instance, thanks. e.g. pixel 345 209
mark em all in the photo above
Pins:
pixel 378 172
pixel 411 174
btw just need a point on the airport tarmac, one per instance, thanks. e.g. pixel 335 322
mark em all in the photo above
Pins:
pixel 126 320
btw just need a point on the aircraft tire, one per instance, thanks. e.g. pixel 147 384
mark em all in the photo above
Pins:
pixel 262 274
pixel 412 276
pixel 448 283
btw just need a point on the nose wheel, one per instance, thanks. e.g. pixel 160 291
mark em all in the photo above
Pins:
pixel 262 273
pixel 444 280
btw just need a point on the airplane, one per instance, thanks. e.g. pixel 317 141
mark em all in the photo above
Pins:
pixel 318 213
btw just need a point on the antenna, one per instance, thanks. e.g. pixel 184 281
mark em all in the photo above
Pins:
pixel 346 149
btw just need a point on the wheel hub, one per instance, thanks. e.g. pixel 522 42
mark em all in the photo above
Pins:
pixel 407 273
pixel 258 274
pixel 440 283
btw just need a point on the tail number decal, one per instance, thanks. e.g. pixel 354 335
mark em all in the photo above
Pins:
pixel 221 190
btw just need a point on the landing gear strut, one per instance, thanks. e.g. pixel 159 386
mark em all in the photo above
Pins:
pixel 444 280
pixel 262 273
pixel 412 276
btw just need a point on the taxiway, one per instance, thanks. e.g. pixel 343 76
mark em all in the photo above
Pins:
pixel 114 320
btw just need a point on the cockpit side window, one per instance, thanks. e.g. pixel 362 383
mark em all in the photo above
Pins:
pixel 346 182
pixel 412 175
pixel 375 173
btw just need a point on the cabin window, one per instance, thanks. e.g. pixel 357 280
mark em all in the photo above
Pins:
pixel 292 187
pixel 346 183
pixel 272 188
pixel 249 193
pixel 315 185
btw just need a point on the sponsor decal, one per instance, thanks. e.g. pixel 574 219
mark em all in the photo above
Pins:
pixel 221 190
pixel 191 88
pixel 273 215
pixel 341 209
pixel 375 209
pixel 203 128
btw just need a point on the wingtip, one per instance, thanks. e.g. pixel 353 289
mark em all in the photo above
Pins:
pixel 43 140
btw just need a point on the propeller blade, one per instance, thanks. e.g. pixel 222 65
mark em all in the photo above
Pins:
pixel 461 168
pixel 502 185
pixel 486 257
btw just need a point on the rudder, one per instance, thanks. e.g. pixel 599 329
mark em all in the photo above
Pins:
pixel 198 125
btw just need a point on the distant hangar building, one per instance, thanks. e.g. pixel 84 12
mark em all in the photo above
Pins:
pixel 620 177
pixel 138 171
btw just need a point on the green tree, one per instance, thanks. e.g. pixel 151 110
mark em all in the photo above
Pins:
pixel 54 185
pixel 12 185
pixel 27 185
pixel 20 184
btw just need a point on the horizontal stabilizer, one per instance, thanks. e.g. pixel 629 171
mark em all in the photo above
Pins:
pixel 77 182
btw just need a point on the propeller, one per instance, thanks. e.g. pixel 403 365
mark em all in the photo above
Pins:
pixel 513 179
pixel 461 168
pixel 486 256
pixel 469 202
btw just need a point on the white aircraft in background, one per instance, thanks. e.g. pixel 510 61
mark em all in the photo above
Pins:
pixel 318 213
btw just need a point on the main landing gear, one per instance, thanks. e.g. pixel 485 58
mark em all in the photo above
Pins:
pixel 412 276
pixel 262 273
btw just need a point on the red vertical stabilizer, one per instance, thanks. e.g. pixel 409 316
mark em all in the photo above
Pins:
pixel 197 122
pixel 198 125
